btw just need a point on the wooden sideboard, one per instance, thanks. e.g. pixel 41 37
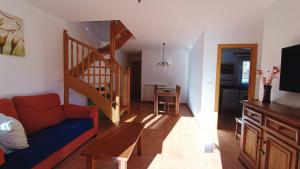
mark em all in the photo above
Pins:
pixel 270 137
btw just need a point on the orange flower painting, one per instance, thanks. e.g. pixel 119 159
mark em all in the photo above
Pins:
pixel 11 35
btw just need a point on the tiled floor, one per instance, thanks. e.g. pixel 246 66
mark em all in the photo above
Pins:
pixel 173 143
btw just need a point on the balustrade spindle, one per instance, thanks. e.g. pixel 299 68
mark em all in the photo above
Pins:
pixel 72 64
pixel 77 59
pixel 89 68
pixel 82 63
pixel 99 79
pixel 105 82
pixel 94 71
pixel 71 49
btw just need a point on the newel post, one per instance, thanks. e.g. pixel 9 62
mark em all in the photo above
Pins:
pixel 66 66
pixel 129 89
pixel 118 87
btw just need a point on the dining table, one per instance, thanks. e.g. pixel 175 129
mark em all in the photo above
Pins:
pixel 166 92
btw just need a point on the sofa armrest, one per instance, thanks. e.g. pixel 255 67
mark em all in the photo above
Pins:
pixel 2 159
pixel 72 111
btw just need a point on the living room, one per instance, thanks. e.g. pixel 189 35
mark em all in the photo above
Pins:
pixel 186 35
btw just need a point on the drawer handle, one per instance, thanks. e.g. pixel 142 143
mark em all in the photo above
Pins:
pixel 261 151
pixel 252 115
pixel 280 128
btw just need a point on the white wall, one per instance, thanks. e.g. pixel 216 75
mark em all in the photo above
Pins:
pixel 41 70
pixel 177 73
pixel 281 29
pixel 123 59
pixel 78 30
pixel 211 40
pixel 195 75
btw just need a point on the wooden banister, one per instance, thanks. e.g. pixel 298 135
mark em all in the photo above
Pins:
pixel 103 80
pixel 84 73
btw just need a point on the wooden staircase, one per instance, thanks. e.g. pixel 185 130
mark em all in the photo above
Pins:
pixel 96 74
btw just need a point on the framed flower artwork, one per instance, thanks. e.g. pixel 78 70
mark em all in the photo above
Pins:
pixel 11 35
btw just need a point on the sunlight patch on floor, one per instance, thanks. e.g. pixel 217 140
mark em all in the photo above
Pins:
pixel 184 146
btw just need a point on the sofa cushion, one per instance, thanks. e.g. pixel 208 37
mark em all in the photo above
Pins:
pixel 39 112
pixel 7 107
pixel 12 134
pixel 46 142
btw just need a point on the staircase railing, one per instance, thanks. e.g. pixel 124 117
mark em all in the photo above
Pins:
pixel 101 79
pixel 88 72
pixel 88 65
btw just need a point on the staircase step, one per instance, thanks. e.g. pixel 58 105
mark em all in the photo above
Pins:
pixel 124 108
pixel 129 117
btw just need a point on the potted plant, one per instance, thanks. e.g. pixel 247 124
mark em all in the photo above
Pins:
pixel 267 81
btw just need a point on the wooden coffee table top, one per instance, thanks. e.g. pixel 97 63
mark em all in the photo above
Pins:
pixel 117 143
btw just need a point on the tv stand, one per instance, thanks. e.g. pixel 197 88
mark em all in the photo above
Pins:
pixel 270 137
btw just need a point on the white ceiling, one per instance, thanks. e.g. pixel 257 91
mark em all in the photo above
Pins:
pixel 176 22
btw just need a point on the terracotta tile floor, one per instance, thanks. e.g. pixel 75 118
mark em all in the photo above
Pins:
pixel 172 143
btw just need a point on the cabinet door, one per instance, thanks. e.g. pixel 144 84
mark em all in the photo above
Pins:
pixel 277 154
pixel 250 144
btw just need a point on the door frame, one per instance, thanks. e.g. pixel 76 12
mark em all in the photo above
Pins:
pixel 252 76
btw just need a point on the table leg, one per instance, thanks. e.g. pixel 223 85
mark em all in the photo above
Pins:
pixel 139 145
pixel 177 106
pixel 156 105
pixel 236 128
pixel 122 165
pixel 90 163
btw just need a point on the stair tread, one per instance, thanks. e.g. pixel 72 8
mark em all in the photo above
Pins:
pixel 129 117
pixel 123 108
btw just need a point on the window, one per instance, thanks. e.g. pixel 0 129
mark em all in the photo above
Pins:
pixel 245 72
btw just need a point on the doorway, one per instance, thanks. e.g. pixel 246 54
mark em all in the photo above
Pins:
pixel 235 81
pixel 136 68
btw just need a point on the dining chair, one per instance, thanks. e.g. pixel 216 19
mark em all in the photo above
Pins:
pixel 162 103
pixel 172 100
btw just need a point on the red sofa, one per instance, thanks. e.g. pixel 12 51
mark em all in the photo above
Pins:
pixel 39 126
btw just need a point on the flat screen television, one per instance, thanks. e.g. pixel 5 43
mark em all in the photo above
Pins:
pixel 290 69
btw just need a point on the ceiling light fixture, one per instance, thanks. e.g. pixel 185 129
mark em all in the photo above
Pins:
pixel 163 63
pixel 139 1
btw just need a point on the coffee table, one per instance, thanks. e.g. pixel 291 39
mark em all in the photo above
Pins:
pixel 116 145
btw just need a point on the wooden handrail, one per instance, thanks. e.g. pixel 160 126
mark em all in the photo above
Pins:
pixel 84 64
pixel 88 72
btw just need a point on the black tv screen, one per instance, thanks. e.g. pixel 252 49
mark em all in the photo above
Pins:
pixel 290 69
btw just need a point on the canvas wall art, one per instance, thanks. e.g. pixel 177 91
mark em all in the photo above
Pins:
pixel 11 35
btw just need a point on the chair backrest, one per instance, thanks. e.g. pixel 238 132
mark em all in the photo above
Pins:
pixel 178 89
pixel 155 88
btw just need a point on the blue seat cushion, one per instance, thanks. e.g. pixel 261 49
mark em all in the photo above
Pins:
pixel 46 142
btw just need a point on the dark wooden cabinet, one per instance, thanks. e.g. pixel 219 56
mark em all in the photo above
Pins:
pixel 270 136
